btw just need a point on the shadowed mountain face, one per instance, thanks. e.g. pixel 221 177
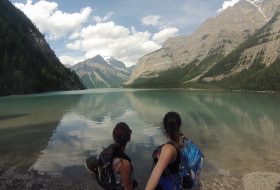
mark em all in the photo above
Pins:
pixel 98 73
pixel 27 64
pixel 185 59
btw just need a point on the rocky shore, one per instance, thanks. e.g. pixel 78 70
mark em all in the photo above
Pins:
pixel 266 178
pixel 33 180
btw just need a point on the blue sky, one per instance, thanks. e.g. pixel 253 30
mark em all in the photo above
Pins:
pixel 125 29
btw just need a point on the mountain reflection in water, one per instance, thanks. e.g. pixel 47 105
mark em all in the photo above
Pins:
pixel 237 131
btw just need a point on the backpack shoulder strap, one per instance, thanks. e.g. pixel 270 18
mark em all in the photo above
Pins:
pixel 119 153
pixel 176 148
pixel 156 154
pixel 185 140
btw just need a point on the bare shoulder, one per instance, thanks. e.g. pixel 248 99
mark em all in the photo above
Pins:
pixel 169 152
pixel 168 148
pixel 125 165
pixel 125 162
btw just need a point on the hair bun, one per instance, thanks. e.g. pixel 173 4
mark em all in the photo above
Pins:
pixel 172 124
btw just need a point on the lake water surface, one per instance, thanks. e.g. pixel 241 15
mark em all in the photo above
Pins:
pixel 56 132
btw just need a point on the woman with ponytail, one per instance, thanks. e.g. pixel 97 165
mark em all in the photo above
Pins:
pixel 167 156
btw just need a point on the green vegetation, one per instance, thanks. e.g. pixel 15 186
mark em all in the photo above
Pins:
pixel 169 78
pixel 176 77
pixel 257 77
pixel 27 64
pixel 203 66
pixel 225 65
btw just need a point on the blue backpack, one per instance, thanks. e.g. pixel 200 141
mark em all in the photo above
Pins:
pixel 191 164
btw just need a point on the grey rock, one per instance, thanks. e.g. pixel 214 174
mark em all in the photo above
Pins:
pixel 98 73
pixel 261 181
pixel 215 37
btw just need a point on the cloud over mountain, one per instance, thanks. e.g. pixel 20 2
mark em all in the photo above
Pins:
pixel 164 34
pixel 110 39
pixel 49 19
pixel 227 4
pixel 65 24
pixel 91 35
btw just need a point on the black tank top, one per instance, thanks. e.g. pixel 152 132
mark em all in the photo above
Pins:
pixel 119 153
pixel 172 168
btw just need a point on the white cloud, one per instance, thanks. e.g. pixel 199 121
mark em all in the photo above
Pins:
pixel 76 45
pixel 75 35
pixel 151 20
pixel 49 19
pixel 105 30
pixel 163 35
pixel 103 19
pixel 69 60
pixel 227 4
pixel 109 39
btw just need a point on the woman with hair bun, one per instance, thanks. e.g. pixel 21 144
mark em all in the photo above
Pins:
pixel 114 168
pixel 167 157
pixel 122 165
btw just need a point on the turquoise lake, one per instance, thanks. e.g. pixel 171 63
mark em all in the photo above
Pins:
pixel 56 132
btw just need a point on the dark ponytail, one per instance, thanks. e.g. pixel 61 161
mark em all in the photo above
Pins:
pixel 172 124
pixel 121 134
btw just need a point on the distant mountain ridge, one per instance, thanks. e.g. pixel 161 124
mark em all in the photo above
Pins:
pixel 99 73
pixel 185 59
pixel 254 65
pixel 27 63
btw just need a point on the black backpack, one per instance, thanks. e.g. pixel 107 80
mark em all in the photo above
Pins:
pixel 104 171
pixel 102 167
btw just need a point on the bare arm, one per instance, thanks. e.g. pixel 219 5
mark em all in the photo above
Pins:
pixel 125 170
pixel 167 155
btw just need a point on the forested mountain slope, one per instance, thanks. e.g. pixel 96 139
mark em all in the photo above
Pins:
pixel 27 63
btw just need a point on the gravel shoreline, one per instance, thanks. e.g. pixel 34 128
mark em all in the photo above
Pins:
pixel 266 178
pixel 33 180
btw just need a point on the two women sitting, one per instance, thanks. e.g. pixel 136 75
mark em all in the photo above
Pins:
pixel 177 163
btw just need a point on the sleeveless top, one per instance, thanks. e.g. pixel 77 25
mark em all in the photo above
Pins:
pixel 119 154
pixel 168 178
pixel 172 168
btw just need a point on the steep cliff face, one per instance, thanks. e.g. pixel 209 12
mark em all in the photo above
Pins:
pixel 99 73
pixel 194 55
pixel 27 63
pixel 254 65
pixel 116 63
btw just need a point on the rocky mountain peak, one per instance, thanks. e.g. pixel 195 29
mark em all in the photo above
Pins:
pixel 260 49
pixel 212 41
pixel 254 65
pixel 98 73
pixel 98 59
pixel 116 63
